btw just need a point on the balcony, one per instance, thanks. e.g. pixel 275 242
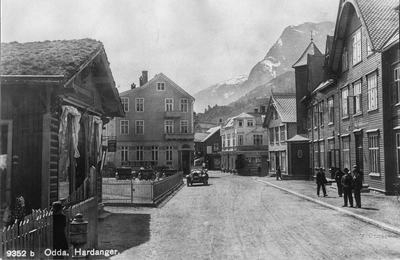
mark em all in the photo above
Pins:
pixel 179 136
pixel 173 114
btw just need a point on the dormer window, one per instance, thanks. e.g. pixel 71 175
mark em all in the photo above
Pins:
pixel 240 123
pixel 250 123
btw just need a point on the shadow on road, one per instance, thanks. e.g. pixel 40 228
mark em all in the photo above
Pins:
pixel 132 230
pixel 369 208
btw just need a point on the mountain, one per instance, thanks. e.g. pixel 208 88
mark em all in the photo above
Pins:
pixel 253 100
pixel 221 93
pixel 278 60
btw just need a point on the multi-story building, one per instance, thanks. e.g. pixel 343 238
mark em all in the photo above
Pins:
pixel 208 148
pixel 281 123
pixel 244 143
pixel 352 114
pixel 158 127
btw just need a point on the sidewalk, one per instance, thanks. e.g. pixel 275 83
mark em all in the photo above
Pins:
pixel 377 209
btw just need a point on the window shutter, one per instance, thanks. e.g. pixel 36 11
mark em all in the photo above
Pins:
pixel 393 92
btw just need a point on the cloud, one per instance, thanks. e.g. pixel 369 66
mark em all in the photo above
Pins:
pixel 196 43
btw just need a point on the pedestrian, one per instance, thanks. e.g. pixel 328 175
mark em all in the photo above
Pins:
pixel 259 169
pixel 203 165
pixel 321 181
pixel 338 178
pixel 347 183
pixel 59 224
pixel 279 173
pixel 357 184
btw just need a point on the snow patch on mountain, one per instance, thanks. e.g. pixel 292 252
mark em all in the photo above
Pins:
pixel 280 42
pixel 232 81
pixel 270 64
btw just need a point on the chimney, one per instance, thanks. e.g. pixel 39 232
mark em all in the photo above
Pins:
pixel 143 79
pixel 262 109
pixel 255 110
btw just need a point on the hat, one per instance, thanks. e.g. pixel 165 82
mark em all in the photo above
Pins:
pixel 355 166
pixel 346 170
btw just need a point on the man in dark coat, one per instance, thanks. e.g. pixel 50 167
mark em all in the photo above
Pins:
pixel 338 178
pixel 59 224
pixel 347 183
pixel 321 181
pixel 357 182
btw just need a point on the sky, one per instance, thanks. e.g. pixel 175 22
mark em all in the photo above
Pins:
pixel 195 43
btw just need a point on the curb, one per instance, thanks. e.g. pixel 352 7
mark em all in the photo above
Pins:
pixel 341 210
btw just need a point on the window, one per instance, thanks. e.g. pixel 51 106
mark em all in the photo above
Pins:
pixel 345 59
pixel 321 113
pixel 373 147
pixel 369 49
pixel 372 91
pixel 283 133
pixel 316 155
pixel 240 123
pixel 154 153
pixel 250 123
pixel 271 135
pixel 357 47
pixel 184 126
pixel 283 161
pixel 276 116
pixel 124 127
pixel 322 153
pixel 169 104
pixel 345 104
pixel 168 154
pixel 309 118
pixel 396 85
pixel 316 116
pixel 184 105
pixel 124 153
pixel 169 126
pixel 139 126
pixel 228 136
pixel 357 97
pixel 223 140
pixel 139 153
pixel 346 152
pixel 277 134
pixel 160 86
pixel 257 139
pixel 240 139
pixel 216 147
pixel 125 103
pixel 398 153
pixel 331 115
pixel 139 104
pixel 233 139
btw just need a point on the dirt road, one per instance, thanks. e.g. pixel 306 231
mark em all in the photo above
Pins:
pixel 239 218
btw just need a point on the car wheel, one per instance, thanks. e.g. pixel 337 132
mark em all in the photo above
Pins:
pixel 187 183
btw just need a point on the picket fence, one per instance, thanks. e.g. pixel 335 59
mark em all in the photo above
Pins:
pixel 33 237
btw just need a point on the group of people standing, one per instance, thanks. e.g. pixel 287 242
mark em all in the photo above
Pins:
pixel 347 183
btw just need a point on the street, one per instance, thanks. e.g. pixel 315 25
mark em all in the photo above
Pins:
pixel 238 217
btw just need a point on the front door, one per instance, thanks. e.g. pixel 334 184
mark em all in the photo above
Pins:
pixel 359 150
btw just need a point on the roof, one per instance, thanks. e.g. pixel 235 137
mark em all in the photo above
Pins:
pixel 285 105
pixel 63 58
pixel 380 18
pixel 198 137
pixel 298 138
pixel 311 49
pixel 150 82
pixel 211 132
pixel 323 85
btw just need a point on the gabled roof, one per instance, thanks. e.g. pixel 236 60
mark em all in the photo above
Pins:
pixel 285 106
pixel 298 138
pixel 198 137
pixel 62 58
pixel 379 17
pixel 229 121
pixel 311 49
pixel 155 79
pixel 211 132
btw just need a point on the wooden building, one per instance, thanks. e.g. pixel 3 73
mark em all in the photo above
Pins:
pixel 208 147
pixel 55 98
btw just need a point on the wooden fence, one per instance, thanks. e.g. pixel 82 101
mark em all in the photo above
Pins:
pixel 33 237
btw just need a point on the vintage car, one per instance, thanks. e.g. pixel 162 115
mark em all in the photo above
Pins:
pixel 146 174
pixel 197 176
pixel 124 173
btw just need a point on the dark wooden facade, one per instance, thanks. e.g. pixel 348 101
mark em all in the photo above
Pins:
pixel 31 109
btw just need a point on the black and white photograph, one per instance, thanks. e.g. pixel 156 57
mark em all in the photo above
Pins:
pixel 200 129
